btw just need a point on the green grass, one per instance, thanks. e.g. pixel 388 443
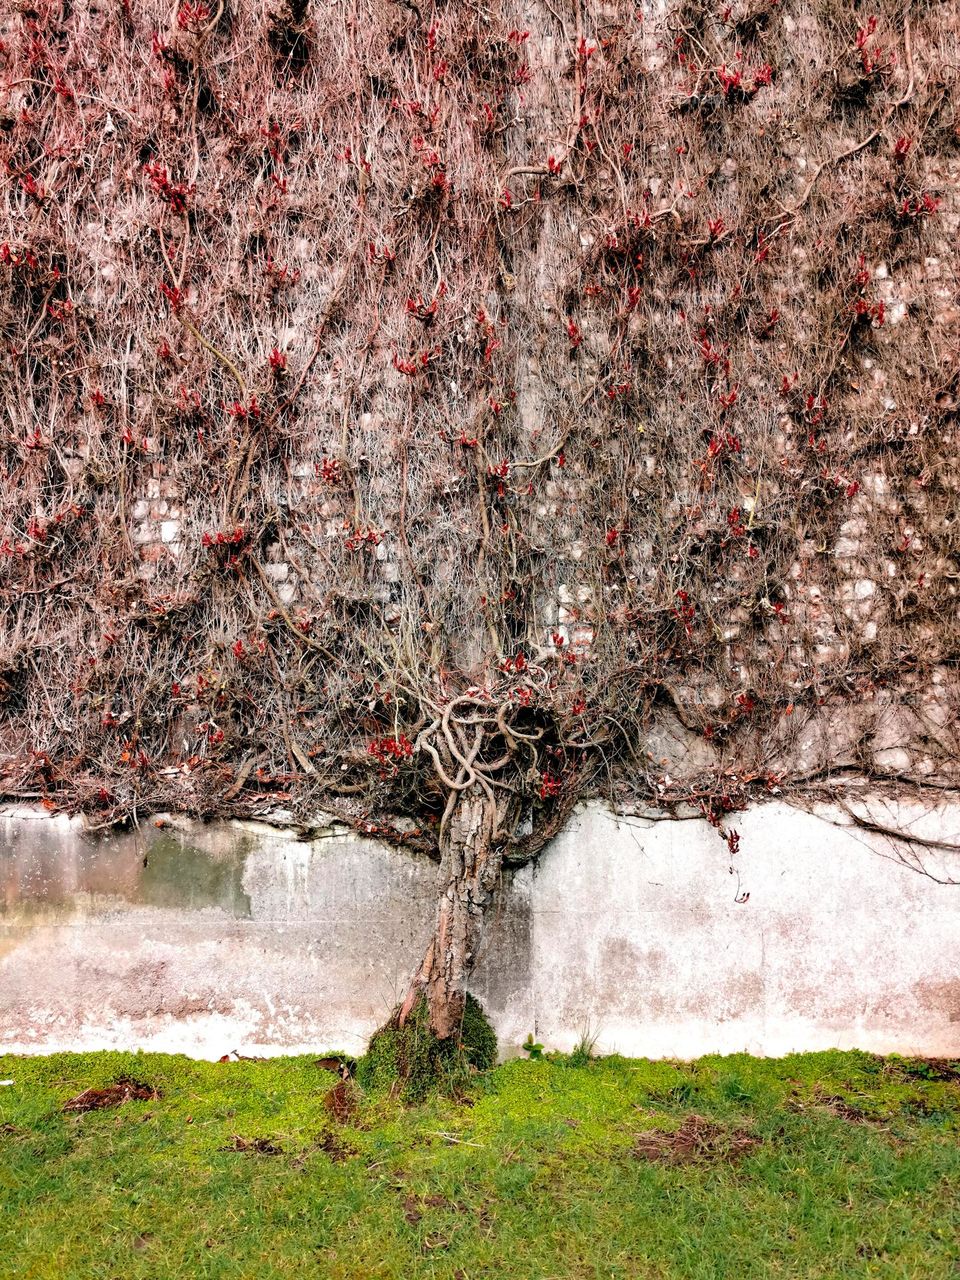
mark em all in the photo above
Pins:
pixel 534 1174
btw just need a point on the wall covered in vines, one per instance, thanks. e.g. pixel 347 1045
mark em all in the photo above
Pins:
pixel 584 372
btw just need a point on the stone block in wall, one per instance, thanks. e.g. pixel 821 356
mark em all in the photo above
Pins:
pixel 144 532
pixel 893 760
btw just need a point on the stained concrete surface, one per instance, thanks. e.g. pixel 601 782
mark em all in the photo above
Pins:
pixel 640 933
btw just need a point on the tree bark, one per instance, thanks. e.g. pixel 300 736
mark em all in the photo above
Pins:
pixel 470 863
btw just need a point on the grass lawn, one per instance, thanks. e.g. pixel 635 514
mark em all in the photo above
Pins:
pixel 832 1164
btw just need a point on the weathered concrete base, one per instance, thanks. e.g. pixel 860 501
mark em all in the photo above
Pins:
pixel 639 937
pixel 634 932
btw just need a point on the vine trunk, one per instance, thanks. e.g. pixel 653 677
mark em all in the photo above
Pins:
pixel 470 863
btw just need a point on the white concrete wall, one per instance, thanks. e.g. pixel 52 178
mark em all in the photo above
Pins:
pixel 843 942
pixel 203 939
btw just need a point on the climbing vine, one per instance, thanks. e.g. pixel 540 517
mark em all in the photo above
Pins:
pixel 412 399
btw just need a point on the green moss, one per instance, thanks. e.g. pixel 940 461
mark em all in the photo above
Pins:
pixel 478 1037
pixel 410 1061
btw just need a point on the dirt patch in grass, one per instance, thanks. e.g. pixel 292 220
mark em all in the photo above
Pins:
pixel 845 1110
pixel 332 1146
pixel 341 1102
pixel 125 1089
pixel 837 1106
pixel 696 1141
pixel 938 1069
pixel 254 1146
pixel 413 1206
pixel 411 1210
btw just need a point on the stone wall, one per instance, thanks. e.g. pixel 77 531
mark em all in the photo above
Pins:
pixel 639 932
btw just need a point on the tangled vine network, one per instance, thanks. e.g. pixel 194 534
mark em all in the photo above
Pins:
pixel 406 400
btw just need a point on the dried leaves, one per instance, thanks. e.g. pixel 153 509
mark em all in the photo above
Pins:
pixel 126 1089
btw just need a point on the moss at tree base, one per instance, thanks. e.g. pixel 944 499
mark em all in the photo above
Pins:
pixel 411 1061
pixel 478 1037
